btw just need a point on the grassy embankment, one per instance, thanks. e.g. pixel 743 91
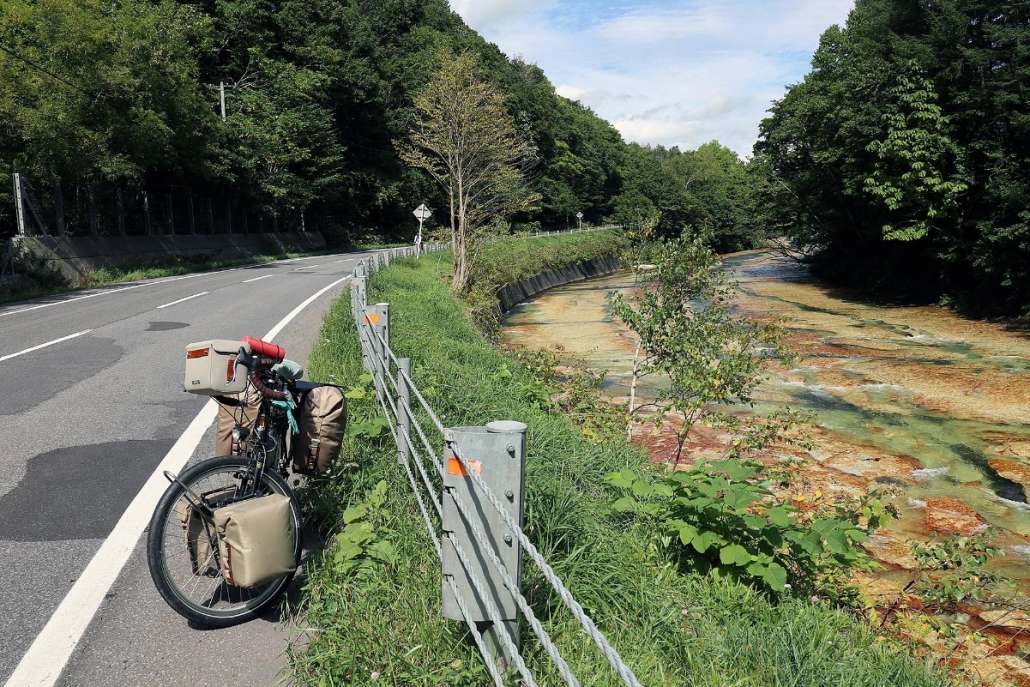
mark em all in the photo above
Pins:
pixel 380 622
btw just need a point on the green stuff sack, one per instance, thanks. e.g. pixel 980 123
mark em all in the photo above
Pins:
pixel 322 420
pixel 255 540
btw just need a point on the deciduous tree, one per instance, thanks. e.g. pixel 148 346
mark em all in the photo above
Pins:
pixel 465 139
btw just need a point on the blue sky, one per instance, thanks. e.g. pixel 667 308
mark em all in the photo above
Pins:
pixel 670 72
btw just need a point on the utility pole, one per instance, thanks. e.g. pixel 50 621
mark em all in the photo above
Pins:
pixel 19 207
pixel 221 97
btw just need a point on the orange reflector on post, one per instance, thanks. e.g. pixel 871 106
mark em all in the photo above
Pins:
pixel 455 467
pixel 372 318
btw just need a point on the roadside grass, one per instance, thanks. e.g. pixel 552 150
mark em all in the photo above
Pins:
pixel 672 629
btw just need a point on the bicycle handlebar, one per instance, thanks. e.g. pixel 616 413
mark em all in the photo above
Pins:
pixel 265 349
pixel 255 360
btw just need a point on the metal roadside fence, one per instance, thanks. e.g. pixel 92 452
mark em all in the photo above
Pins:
pixel 470 486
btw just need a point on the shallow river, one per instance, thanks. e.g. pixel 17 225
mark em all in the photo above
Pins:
pixel 915 398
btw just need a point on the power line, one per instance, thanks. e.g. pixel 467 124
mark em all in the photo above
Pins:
pixel 43 69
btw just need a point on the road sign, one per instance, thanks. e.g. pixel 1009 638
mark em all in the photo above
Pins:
pixel 579 215
pixel 422 213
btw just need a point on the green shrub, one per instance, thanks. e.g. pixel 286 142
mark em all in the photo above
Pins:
pixel 719 516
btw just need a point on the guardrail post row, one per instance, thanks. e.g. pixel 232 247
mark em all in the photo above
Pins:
pixel 403 410
pixel 497 453
pixel 378 316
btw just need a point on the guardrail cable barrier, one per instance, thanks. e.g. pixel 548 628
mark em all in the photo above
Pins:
pixel 483 531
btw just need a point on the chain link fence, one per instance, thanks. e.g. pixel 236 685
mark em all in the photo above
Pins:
pixel 470 495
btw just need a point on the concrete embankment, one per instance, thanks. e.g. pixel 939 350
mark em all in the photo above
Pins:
pixel 512 294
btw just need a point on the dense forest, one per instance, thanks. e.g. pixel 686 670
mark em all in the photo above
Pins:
pixel 901 162
pixel 95 93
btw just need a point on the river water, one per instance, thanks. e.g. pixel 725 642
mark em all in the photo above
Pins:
pixel 913 398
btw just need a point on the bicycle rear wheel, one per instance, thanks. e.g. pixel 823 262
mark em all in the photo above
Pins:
pixel 200 593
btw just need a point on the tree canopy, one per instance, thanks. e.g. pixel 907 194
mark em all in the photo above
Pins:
pixel 316 93
pixel 902 160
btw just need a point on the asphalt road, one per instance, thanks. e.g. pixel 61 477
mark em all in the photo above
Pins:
pixel 84 422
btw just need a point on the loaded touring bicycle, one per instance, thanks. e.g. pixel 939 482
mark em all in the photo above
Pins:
pixel 225 539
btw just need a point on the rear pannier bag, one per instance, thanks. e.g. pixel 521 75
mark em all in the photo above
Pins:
pixel 228 417
pixel 322 420
pixel 255 540
pixel 199 537
pixel 211 368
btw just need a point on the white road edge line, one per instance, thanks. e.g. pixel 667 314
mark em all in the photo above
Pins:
pixel 43 345
pixel 42 664
pixel 106 292
pixel 264 276
pixel 196 295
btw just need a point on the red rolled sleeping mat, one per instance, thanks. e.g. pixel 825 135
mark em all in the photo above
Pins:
pixel 265 349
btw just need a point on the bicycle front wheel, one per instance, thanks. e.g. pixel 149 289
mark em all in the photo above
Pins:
pixel 199 592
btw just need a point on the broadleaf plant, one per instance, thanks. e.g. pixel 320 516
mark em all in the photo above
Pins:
pixel 721 517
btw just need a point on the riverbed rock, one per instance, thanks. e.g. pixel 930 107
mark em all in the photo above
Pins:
pixel 1011 470
pixel 891 551
pixel 947 515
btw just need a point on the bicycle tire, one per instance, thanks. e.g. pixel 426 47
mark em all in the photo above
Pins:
pixel 199 615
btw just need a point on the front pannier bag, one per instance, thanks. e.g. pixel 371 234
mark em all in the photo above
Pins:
pixel 323 419
pixel 199 537
pixel 255 540
pixel 228 417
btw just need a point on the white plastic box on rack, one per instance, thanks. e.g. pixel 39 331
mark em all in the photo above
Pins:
pixel 211 368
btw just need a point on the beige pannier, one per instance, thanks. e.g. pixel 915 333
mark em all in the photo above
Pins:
pixel 198 537
pixel 228 417
pixel 255 540
pixel 211 368
pixel 322 420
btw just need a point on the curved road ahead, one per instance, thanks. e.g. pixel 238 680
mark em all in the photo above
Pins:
pixel 91 402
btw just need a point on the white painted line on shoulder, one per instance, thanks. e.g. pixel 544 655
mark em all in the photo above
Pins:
pixel 181 300
pixel 264 276
pixel 42 664
pixel 105 292
pixel 156 282
pixel 43 345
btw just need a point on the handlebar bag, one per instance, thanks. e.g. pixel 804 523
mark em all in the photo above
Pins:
pixel 228 417
pixel 255 540
pixel 198 536
pixel 211 368
pixel 322 421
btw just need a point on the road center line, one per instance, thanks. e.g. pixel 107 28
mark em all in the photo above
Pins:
pixel 42 664
pixel 308 267
pixel 43 345
pixel 196 295
pixel 264 276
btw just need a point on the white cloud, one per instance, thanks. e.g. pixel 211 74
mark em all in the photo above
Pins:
pixel 669 72
pixel 481 14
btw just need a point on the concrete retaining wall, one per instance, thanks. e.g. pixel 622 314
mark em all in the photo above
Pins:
pixel 512 294
pixel 74 256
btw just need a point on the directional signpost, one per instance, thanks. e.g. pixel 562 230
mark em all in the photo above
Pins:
pixel 579 216
pixel 422 213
